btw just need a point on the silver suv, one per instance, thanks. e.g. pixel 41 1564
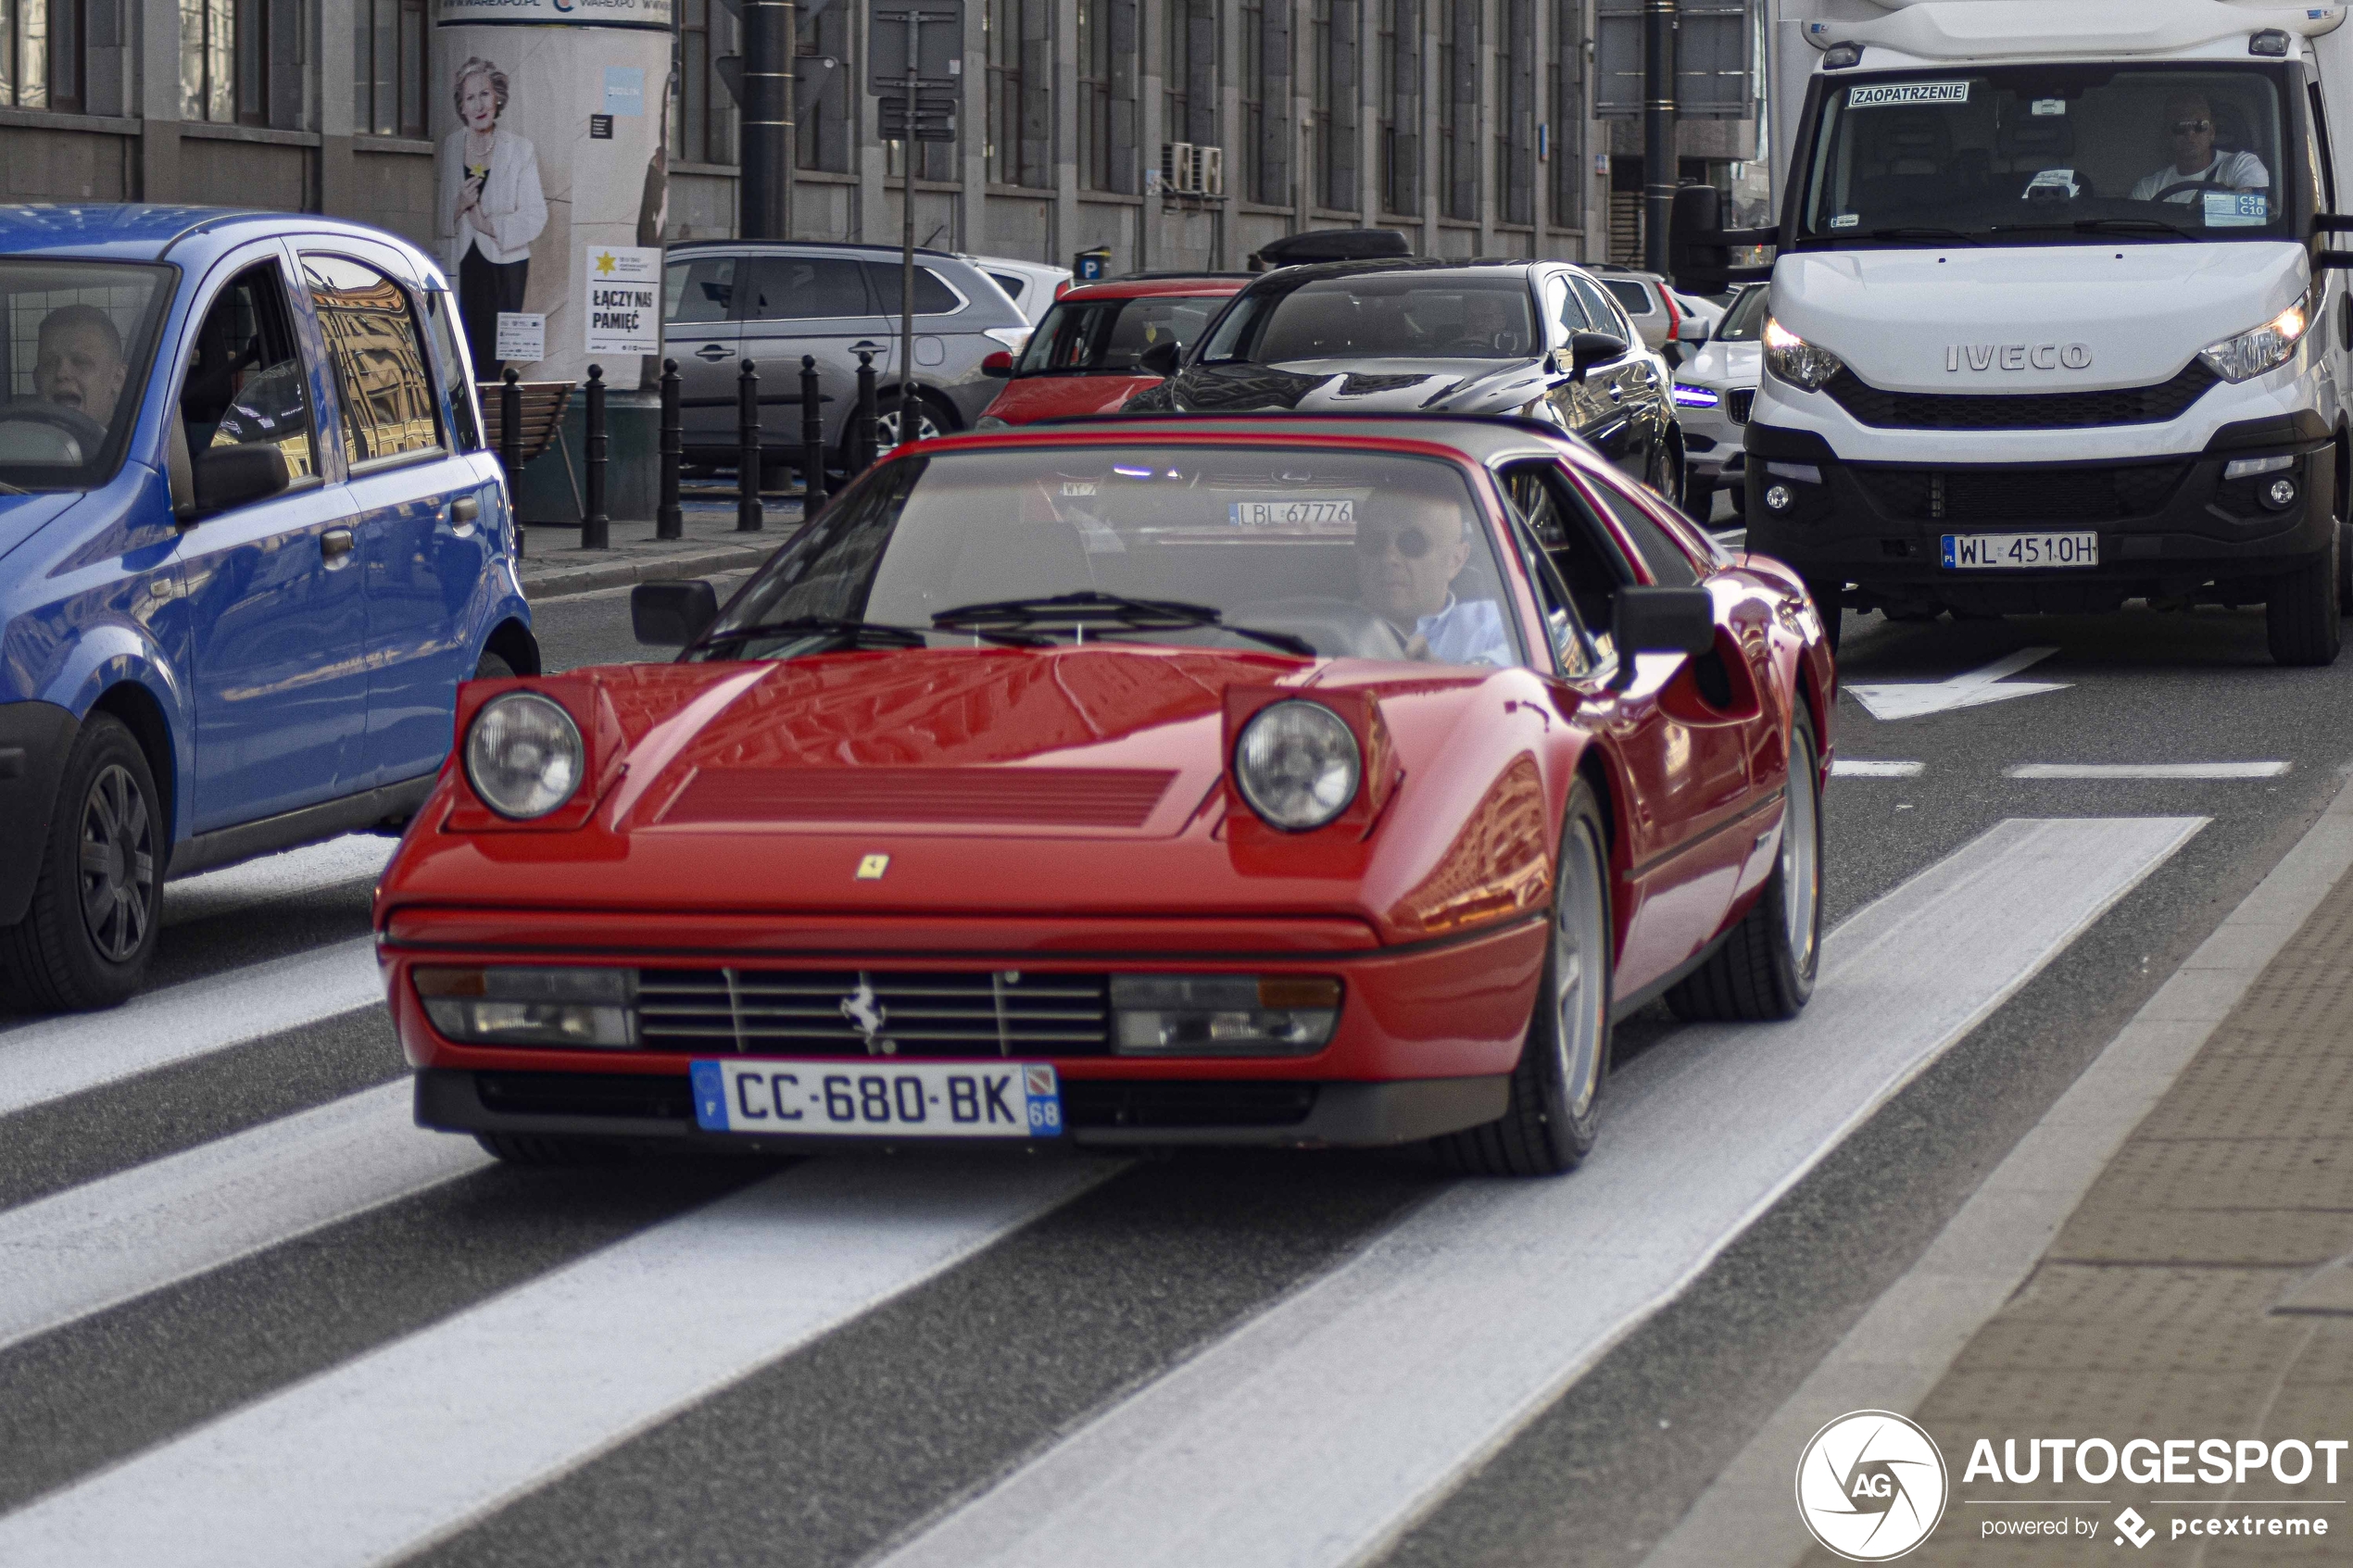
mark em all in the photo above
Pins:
pixel 727 301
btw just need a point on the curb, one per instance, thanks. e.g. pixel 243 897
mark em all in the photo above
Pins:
pixel 567 582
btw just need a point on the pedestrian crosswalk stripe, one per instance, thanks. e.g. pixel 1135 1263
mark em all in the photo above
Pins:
pixel 108 1241
pixel 209 895
pixel 1316 1432
pixel 403 1446
pixel 1874 768
pixel 63 1055
pixel 2146 770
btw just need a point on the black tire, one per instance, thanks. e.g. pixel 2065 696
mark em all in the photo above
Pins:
pixel 491 667
pixel 1767 965
pixel 2301 616
pixel 87 937
pixel 931 419
pixel 2344 567
pixel 1548 1125
pixel 550 1149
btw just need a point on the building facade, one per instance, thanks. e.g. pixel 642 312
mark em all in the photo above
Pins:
pixel 1179 133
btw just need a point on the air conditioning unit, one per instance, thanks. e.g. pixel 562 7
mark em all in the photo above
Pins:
pixel 1209 171
pixel 1177 171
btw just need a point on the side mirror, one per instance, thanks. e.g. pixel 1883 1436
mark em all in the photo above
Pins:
pixel 998 366
pixel 671 614
pixel 229 477
pixel 1589 349
pixel 1160 359
pixel 1661 620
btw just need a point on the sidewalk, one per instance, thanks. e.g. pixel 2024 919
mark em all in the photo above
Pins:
pixel 554 566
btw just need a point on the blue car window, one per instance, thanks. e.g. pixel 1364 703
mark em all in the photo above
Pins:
pixel 440 314
pixel 244 381
pixel 75 337
pixel 380 363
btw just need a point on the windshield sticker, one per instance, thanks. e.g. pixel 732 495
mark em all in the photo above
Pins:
pixel 2049 106
pixel 1887 92
pixel 2236 209
pixel 1311 510
pixel 1846 220
pixel 2054 183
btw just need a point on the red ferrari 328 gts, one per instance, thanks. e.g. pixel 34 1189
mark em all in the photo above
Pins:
pixel 1248 781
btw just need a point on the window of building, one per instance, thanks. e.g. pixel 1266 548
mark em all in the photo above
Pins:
pixel 1265 101
pixel 1107 38
pixel 380 363
pixel 822 120
pixel 1400 96
pixel 1020 92
pixel 1333 47
pixel 1566 105
pixel 230 51
pixel 1458 106
pixel 1515 126
pixel 1188 77
pixel 389 82
pixel 703 115
pixel 41 55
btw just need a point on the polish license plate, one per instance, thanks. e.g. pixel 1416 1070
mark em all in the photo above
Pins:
pixel 2009 552
pixel 1336 510
pixel 901 1099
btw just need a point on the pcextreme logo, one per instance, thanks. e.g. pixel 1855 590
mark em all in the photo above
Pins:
pixel 1871 1485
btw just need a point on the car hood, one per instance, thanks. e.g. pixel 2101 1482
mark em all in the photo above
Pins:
pixel 1906 321
pixel 1363 387
pixel 23 516
pixel 1044 398
pixel 1724 364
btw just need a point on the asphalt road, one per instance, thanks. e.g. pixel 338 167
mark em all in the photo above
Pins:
pixel 990 1321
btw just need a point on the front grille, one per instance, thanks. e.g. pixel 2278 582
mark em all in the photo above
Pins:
pixel 1738 403
pixel 2020 410
pixel 939 1013
pixel 1097 1102
pixel 1090 797
pixel 2007 495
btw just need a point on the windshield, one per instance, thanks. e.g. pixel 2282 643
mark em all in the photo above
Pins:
pixel 1351 555
pixel 1745 322
pixel 2032 154
pixel 75 353
pixel 1416 315
pixel 1107 336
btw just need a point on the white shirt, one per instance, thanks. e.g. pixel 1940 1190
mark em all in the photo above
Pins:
pixel 1467 632
pixel 511 208
pixel 2243 171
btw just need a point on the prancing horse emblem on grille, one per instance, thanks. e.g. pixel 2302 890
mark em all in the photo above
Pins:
pixel 867 1015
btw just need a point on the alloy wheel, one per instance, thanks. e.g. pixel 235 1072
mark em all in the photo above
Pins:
pixel 118 864
pixel 1578 1003
pixel 927 425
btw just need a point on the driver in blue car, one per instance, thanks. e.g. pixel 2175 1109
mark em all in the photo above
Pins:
pixel 1409 550
pixel 80 364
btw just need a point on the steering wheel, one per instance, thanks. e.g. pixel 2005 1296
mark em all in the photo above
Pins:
pixel 1339 628
pixel 73 421
pixel 2204 183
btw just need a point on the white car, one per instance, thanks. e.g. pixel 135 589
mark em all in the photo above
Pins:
pixel 1033 286
pixel 1713 392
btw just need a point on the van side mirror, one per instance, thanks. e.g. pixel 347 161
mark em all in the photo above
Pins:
pixel 230 477
pixel 1660 620
pixel 1160 359
pixel 1589 349
pixel 1699 249
pixel 671 614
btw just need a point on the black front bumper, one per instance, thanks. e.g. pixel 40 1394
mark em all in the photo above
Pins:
pixel 2167 528
pixel 35 739
pixel 1100 1112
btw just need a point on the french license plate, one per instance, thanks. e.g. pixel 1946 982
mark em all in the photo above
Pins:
pixel 904 1099
pixel 2008 552
pixel 1339 509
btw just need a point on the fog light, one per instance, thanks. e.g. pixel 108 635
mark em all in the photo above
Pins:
pixel 2280 495
pixel 1223 1014
pixel 1779 497
pixel 570 1007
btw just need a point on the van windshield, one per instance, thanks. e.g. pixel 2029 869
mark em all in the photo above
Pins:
pixel 2042 154
pixel 75 337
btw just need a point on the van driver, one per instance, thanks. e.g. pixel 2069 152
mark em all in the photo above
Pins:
pixel 2189 122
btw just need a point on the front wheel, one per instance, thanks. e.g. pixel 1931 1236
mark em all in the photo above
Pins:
pixel 1765 968
pixel 1549 1123
pixel 2300 614
pixel 89 933
pixel 929 422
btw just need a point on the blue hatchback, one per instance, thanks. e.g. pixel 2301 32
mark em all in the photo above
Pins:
pixel 251 539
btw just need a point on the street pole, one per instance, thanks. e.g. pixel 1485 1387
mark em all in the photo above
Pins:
pixel 1658 131
pixel 767 118
pixel 907 237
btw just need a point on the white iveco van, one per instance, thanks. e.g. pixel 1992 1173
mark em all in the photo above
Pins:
pixel 2053 323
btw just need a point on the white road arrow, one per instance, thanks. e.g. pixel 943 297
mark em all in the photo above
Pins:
pixel 1912 699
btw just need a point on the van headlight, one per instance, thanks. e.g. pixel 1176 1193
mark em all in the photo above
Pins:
pixel 524 755
pixel 1297 764
pixel 2266 347
pixel 1797 361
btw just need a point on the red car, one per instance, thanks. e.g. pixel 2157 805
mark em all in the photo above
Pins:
pixel 1084 357
pixel 1272 781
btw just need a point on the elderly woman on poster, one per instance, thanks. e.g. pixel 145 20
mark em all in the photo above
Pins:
pixel 491 208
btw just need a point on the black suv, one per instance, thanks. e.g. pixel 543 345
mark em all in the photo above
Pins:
pixel 1538 338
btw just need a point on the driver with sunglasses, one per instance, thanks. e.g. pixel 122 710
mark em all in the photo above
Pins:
pixel 2196 167
pixel 1408 551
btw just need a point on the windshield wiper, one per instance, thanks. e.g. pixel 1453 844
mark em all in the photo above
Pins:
pixel 1913 233
pixel 2102 226
pixel 1089 607
pixel 866 634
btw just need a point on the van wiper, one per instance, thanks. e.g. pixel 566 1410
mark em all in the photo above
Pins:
pixel 1912 233
pixel 1089 607
pixel 2151 226
pixel 857 633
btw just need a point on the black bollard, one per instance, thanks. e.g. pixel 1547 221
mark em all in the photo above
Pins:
pixel 669 521
pixel 812 439
pixel 510 447
pixel 596 529
pixel 747 450
pixel 862 447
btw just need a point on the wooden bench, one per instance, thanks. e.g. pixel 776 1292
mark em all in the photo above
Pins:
pixel 543 413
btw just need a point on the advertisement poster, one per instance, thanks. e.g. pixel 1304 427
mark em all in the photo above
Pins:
pixel 623 315
pixel 548 120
